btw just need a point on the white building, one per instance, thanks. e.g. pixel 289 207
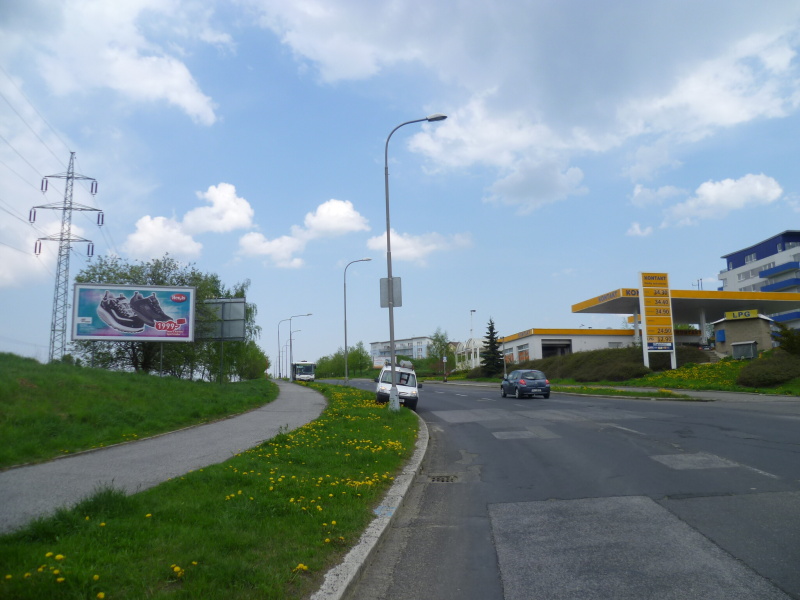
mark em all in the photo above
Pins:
pixel 414 348
pixel 468 354
pixel 772 265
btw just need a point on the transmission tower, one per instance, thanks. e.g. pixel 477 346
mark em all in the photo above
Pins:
pixel 58 326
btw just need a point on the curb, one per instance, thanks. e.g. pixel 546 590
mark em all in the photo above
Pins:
pixel 340 579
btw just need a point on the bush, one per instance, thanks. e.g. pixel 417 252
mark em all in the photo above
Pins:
pixel 773 368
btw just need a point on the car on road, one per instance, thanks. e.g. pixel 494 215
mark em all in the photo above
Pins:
pixel 406 381
pixel 525 382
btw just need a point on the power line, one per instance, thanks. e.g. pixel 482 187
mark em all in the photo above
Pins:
pixel 38 114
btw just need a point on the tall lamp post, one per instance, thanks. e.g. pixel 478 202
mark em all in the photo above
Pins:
pixel 394 399
pixel 345 312
pixel 291 355
pixel 279 345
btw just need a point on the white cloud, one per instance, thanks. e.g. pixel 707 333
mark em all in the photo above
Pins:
pixel 226 213
pixel 636 230
pixel 155 236
pixel 417 248
pixel 644 197
pixel 280 250
pixel 715 199
pixel 134 47
pixel 333 218
pixel 543 87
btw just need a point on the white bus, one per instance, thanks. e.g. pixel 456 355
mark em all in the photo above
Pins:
pixel 303 371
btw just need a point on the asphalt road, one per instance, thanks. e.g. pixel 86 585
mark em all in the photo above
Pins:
pixel 586 497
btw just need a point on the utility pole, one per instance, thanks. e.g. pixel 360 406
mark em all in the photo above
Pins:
pixel 58 325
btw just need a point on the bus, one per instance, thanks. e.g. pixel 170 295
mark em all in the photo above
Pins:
pixel 303 371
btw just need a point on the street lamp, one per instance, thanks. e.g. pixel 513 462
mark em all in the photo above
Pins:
pixel 345 312
pixel 291 355
pixel 279 346
pixel 394 400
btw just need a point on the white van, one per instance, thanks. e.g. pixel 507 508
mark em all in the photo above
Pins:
pixel 406 381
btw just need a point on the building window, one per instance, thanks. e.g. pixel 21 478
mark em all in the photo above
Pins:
pixel 522 353
pixel 750 258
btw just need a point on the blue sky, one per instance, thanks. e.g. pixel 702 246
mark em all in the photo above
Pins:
pixel 585 142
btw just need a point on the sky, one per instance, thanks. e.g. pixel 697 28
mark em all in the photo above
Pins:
pixel 585 142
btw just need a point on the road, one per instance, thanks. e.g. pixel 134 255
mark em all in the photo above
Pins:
pixel 588 497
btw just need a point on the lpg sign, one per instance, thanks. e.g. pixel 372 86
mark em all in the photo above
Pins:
pixel 751 313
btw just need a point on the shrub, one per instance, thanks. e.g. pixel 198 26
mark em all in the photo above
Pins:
pixel 771 369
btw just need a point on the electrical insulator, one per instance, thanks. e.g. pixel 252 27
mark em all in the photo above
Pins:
pixel 90 250
pixel 100 219
pixel 37 247
pixel 32 216
pixel 44 185
pixel 94 188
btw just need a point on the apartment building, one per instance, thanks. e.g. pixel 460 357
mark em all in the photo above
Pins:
pixel 772 265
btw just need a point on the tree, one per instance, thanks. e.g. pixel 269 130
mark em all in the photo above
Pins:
pixel 788 339
pixel 358 359
pixel 186 360
pixel 492 355
pixel 439 348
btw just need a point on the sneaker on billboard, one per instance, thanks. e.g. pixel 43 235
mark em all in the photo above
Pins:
pixel 117 313
pixel 148 308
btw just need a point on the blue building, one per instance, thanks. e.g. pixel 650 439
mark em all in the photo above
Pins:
pixel 772 265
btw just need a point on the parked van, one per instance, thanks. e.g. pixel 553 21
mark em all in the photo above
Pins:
pixel 406 381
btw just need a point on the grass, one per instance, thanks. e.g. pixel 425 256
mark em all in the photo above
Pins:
pixel 266 524
pixel 56 409
pixel 615 391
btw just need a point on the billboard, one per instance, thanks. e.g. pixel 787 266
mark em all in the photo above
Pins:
pixel 133 312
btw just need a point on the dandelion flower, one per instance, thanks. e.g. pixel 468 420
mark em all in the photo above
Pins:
pixel 59 557
pixel 48 555
pixel 60 580
pixel 148 515
pixel 101 595
pixel 95 577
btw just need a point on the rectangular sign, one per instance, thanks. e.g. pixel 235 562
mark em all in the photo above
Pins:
pixel 657 302
pixel 657 314
pixel 751 313
pixel 660 280
pixel 133 312
pixel 667 321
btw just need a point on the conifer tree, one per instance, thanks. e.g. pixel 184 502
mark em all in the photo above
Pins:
pixel 492 356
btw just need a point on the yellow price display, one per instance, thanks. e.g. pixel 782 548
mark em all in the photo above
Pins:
pixel 656 292
pixel 659 339
pixel 657 302
pixel 659 321
pixel 657 311
pixel 659 330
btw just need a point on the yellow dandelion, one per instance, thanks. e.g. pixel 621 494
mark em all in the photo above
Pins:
pixel 148 515
pixel 101 595
pixel 95 577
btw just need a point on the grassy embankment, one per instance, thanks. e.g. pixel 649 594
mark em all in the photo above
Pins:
pixel 265 524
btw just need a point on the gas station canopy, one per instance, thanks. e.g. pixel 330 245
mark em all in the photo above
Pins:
pixel 693 306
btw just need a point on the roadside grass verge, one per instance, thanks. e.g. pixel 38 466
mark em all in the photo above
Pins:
pixel 265 524
pixel 660 394
pixel 56 409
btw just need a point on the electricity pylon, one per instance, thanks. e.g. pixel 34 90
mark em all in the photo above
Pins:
pixel 58 326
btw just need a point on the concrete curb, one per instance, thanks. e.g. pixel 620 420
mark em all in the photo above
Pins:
pixel 339 580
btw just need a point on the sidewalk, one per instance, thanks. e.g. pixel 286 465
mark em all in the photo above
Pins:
pixel 37 490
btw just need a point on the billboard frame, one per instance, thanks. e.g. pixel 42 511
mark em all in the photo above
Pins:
pixel 91 314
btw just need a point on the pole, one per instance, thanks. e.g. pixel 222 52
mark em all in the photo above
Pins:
pixel 345 313
pixel 394 400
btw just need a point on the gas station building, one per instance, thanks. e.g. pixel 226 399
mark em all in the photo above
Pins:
pixel 688 307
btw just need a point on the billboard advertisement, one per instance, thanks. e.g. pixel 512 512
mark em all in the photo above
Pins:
pixel 133 313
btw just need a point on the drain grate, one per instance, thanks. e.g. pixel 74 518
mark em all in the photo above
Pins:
pixel 443 478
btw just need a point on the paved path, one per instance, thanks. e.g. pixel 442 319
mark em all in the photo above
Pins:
pixel 36 490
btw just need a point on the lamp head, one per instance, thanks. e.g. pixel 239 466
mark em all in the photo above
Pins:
pixel 436 117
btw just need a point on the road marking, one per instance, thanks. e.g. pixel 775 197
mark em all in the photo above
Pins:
pixel 701 460
pixel 621 427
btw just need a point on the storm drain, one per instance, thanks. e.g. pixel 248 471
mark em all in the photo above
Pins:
pixel 443 478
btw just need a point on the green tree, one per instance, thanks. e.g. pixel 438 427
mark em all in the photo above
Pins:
pixel 187 360
pixel 492 355
pixel 439 348
pixel 358 359
pixel 788 339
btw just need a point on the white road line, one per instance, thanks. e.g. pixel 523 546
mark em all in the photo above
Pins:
pixel 621 427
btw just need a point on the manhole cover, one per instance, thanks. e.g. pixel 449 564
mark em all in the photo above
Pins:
pixel 443 478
